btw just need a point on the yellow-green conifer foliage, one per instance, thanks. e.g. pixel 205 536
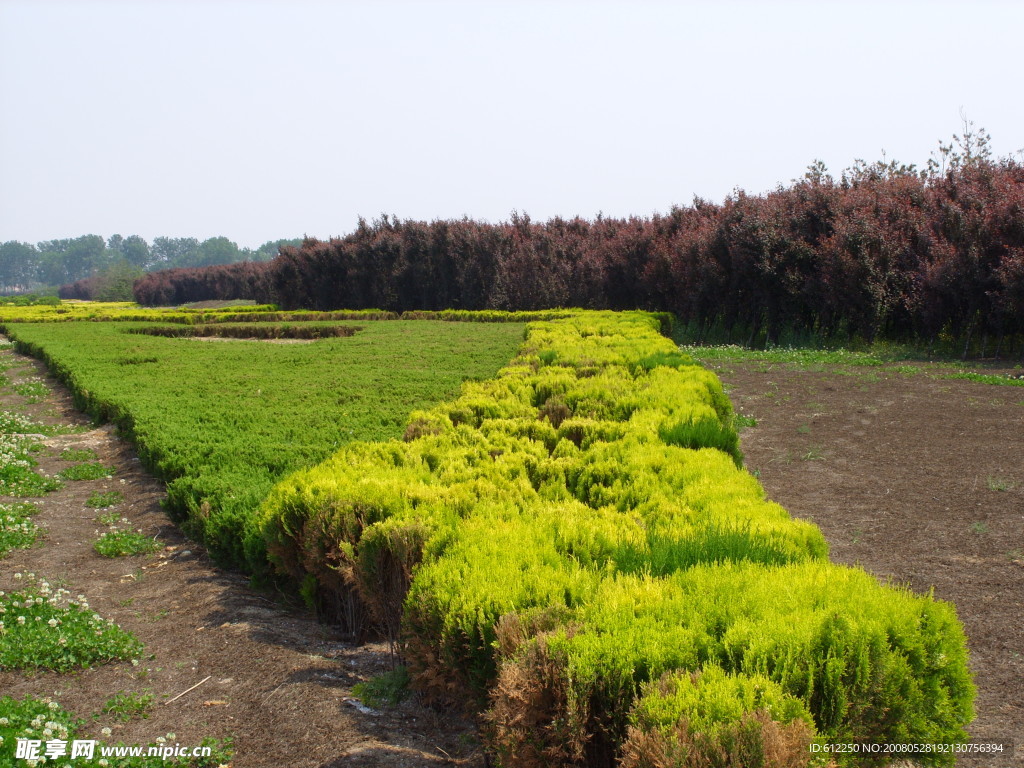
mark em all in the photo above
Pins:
pixel 574 546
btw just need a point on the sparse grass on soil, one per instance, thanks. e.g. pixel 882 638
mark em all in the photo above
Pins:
pixel 122 543
pixel 111 517
pixel 1007 380
pixel 104 499
pixel 92 470
pixel 33 390
pixel 792 355
pixel 78 454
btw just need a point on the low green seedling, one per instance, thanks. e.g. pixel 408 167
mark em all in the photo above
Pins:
pixel 742 420
pixel 78 454
pixel 122 543
pixel 997 483
pixel 125 705
pixel 387 690
pixel 813 454
pixel 92 470
pixel 104 499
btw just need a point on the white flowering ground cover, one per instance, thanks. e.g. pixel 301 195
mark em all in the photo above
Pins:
pixel 19 439
pixel 33 389
pixel 17 530
pixel 45 720
pixel 44 628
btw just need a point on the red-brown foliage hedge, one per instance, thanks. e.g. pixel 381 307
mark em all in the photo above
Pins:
pixel 882 251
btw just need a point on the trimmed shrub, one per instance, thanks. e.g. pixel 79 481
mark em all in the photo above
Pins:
pixel 871 664
pixel 558 540
pixel 714 719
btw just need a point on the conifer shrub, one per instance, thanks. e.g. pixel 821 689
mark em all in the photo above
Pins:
pixel 714 719
pixel 871 663
pixel 574 547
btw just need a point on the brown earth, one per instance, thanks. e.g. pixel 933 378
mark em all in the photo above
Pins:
pixel 919 480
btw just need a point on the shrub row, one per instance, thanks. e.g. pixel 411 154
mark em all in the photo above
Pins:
pixel 574 546
pixel 881 251
pixel 247 331
pixel 129 312
pixel 263 313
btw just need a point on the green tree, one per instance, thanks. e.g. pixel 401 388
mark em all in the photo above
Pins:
pixel 52 269
pixel 169 252
pixel 19 265
pixel 68 260
pixel 216 250
pixel 115 282
pixel 269 249
pixel 136 252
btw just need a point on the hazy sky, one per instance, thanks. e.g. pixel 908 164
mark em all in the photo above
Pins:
pixel 261 120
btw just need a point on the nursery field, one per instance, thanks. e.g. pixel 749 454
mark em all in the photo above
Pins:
pixel 220 422
pixel 554 550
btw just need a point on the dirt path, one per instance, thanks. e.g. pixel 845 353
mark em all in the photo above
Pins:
pixel 278 683
pixel 917 479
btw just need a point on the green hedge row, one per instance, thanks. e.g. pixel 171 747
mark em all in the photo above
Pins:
pixel 305 331
pixel 574 546
pixel 263 313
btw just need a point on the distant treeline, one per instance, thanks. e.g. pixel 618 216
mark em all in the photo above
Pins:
pixel 111 265
pixel 884 250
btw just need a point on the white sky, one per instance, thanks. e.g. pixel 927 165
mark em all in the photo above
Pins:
pixel 261 120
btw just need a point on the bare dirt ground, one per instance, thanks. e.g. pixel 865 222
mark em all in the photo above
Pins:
pixel 917 479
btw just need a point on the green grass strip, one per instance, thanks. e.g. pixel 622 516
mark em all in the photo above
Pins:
pixel 223 421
